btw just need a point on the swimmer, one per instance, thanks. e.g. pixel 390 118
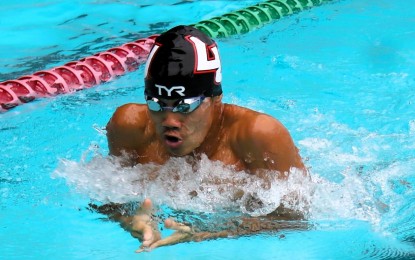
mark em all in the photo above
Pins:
pixel 184 116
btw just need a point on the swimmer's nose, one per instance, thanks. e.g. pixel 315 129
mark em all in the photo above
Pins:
pixel 171 121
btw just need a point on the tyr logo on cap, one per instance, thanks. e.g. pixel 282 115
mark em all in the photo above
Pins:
pixel 178 89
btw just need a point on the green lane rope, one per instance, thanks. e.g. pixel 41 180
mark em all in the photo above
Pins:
pixel 249 18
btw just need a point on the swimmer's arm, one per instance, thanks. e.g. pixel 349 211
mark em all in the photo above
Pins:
pixel 114 212
pixel 235 228
pixel 143 227
pixel 266 144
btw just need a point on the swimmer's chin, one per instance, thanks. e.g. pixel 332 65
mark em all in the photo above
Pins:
pixel 178 152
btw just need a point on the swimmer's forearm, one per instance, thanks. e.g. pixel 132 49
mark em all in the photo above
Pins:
pixel 114 213
pixel 201 236
pixel 253 225
pixel 125 221
pixel 246 226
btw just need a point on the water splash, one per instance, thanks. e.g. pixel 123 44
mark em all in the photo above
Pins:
pixel 182 184
pixel 209 186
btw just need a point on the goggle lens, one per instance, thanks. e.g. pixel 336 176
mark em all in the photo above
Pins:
pixel 183 106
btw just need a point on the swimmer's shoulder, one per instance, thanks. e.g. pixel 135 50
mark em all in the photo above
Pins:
pixel 246 123
pixel 129 117
pixel 128 129
pixel 248 118
pixel 255 135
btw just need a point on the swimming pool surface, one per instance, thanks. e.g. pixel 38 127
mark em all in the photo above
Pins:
pixel 339 76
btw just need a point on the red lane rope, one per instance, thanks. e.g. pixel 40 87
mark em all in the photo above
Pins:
pixel 75 75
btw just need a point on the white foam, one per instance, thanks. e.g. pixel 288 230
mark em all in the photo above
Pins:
pixel 201 186
pixel 210 187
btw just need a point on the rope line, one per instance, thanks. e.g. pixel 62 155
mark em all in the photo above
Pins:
pixel 105 66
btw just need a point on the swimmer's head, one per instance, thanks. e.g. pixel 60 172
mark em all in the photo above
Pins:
pixel 184 62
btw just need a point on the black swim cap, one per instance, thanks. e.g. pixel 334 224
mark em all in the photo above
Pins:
pixel 184 62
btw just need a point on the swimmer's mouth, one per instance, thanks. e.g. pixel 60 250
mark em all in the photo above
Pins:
pixel 172 141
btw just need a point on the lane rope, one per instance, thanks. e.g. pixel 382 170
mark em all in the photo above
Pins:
pixel 108 65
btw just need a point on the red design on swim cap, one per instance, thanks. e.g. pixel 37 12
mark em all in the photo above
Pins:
pixel 183 58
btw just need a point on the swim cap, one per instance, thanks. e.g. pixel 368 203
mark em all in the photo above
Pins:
pixel 184 62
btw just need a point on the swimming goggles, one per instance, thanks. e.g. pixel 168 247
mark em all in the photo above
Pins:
pixel 185 106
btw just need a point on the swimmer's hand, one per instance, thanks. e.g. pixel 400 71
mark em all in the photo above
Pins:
pixel 183 233
pixel 143 227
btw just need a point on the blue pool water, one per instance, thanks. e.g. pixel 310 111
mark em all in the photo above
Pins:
pixel 339 76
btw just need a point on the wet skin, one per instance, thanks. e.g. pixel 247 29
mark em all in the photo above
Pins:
pixel 237 136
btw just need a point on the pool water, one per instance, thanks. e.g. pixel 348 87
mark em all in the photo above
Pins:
pixel 340 77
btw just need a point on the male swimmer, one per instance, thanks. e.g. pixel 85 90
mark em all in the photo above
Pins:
pixel 184 116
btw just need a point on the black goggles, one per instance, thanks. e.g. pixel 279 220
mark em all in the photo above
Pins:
pixel 185 106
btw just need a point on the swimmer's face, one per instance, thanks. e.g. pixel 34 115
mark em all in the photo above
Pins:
pixel 181 133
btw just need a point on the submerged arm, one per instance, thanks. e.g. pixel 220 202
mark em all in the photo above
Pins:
pixel 140 224
pixel 144 227
pixel 236 227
